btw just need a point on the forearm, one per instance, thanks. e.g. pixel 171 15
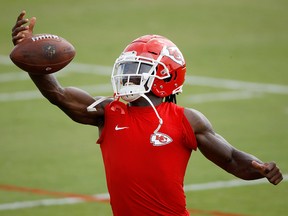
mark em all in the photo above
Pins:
pixel 48 86
pixel 240 165
pixel 220 152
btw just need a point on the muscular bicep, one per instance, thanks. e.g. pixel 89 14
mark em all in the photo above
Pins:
pixel 212 145
pixel 74 103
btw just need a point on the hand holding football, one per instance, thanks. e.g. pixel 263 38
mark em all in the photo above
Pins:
pixel 43 54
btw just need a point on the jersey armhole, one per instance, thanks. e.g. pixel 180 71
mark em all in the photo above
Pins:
pixel 109 110
pixel 103 132
pixel 188 133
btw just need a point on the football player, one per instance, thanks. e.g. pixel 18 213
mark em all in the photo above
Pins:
pixel 145 171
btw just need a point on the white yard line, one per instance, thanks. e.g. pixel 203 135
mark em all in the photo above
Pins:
pixel 227 184
pixel 49 202
pixel 29 95
pixel 222 96
pixel 105 196
pixel 237 85
pixel 5 60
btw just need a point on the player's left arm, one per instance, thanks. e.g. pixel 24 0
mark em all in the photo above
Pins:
pixel 219 151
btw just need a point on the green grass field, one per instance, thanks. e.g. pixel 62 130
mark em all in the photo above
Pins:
pixel 236 54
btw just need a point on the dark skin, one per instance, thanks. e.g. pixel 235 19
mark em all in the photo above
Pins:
pixel 74 101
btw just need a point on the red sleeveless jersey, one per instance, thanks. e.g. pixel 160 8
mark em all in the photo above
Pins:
pixel 145 172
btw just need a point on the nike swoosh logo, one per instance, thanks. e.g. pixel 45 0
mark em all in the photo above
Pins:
pixel 120 128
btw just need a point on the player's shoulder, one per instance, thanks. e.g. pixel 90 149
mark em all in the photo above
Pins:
pixel 197 120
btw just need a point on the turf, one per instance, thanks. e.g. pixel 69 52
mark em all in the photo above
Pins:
pixel 236 40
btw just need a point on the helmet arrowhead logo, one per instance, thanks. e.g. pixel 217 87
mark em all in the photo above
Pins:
pixel 175 54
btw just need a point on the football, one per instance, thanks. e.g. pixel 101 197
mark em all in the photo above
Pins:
pixel 42 54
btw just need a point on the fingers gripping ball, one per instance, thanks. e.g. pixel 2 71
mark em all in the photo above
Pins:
pixel 43 54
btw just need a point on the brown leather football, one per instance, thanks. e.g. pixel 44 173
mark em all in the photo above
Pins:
pixel 42 54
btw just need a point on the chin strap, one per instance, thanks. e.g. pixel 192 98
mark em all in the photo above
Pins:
pixel 92 107
pixel 157 114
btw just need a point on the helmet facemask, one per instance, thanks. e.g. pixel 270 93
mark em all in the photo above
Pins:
pixel 133 75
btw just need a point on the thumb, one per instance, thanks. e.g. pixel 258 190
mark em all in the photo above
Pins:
pixel 260 167
pixel 32 24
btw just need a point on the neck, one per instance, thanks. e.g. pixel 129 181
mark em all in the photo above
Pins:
pixel 143 102
pixel 154 101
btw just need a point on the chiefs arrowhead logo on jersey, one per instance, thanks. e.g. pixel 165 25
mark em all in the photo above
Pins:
pixel 160 139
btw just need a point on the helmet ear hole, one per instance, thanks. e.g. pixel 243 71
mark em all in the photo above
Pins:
pixel 175 77
pixel 172 76
pixel 168 79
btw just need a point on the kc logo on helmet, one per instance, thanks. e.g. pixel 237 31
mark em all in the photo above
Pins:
pixel 175 54
pixel 160 139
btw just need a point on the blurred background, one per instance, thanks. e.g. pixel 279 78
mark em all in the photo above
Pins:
pixel 236 54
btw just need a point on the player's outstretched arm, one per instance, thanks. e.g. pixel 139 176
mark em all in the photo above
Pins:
pixel 219 151
pixel 72 101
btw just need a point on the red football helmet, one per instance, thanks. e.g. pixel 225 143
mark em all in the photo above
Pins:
pixel 149 63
